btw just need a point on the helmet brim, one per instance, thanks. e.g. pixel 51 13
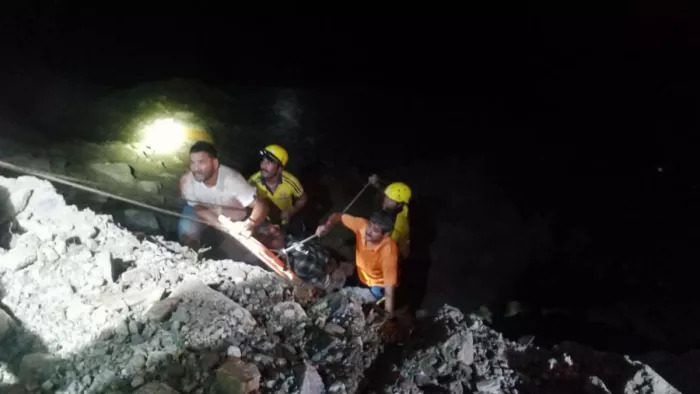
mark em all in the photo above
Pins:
pixel 268 155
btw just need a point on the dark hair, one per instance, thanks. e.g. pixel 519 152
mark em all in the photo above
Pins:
pixel 203 146
pixel 383 220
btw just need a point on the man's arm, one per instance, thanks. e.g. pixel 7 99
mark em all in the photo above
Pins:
pixel 203 212
pixel 390 270
pixel 389 299
pixel 207 214
pixel 299 204
pixel 259 212
pixel 325 228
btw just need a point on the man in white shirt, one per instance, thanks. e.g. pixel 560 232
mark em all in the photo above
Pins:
pixel 212 189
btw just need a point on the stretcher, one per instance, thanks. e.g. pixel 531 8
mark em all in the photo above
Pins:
pixel 265 255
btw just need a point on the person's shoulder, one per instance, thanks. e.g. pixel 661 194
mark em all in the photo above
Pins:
pixel 186 178
pixel 291 179
pixel 289 176
pixel 227 172
pixel 391 244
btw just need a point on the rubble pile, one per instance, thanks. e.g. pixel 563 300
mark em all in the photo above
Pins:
pixel 454 354
pixel 88 307
pixel 93 308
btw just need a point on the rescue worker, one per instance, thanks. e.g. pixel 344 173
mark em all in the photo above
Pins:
pixel 281 188
pixel 376 254
pixel 395 202
pixel 212 189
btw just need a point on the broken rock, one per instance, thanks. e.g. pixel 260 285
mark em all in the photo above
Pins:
pixel 156 388
pixel 149 187
pixel 311 382
pixel 237 377
pixel 141 220
pixel 466 353
pixel 33 366
pixel 6 324
pixel 162 310
pixel 120 172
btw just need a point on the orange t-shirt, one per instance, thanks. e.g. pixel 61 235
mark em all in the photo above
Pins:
pixel 376 265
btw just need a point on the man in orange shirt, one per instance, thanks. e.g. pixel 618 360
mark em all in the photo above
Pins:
pixel 376 253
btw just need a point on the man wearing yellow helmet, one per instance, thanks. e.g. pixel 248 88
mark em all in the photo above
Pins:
pixel 396 198
pixel 280 187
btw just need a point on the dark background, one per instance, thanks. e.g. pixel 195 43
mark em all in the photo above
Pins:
pixel 586 118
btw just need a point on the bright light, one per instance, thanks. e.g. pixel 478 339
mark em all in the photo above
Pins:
pixel 164 135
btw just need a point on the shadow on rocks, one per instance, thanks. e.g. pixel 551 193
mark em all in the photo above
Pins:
pixel 16 342
pixel 7 214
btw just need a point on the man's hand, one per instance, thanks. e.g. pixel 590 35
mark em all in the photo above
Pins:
pixel 374 180
pixel 322 230
pixel 248 228
pixel 244 228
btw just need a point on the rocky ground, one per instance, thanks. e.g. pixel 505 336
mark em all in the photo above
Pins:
pixel 87 306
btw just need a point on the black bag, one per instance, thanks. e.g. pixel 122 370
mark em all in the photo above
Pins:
pixel 308 261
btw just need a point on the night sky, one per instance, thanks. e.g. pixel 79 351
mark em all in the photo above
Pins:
pixel 592 115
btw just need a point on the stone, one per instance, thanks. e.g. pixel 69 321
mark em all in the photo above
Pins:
pixel 311 382
pixel 135 327
pixel 646 380
pixel 233 351
pixel 19 200
pixel 156 388
pixel 595 385
pixel 233 271
pixel 48 254
pixel 161 310
pixel 34 365
pixel 22 255
pixel 121 329
pixel 141 220
pixel 7 324
pixel 135 276
pixel 209 360
pixel 492 386
pixel 104 261
pixel 120 172
pixel 333 329
pixel 466 353
pixel 237 377
pixel 195 289
pixel 150 187
pixel 337 388
pixel 146 296
pixel 455 387
pixel 137 381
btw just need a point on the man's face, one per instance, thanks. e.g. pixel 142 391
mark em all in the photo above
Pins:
pixel 202 166
pixel 389 205
pixel 374 233
pixel 268 168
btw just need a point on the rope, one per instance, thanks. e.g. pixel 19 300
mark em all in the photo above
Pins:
pixel 67 182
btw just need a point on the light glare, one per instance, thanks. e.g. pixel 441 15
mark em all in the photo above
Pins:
pixel 164 135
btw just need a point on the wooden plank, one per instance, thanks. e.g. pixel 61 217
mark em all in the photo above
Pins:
pixel 257 248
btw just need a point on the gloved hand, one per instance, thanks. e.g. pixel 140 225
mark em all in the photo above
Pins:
pixel 322 230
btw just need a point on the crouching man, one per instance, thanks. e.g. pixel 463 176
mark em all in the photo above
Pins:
pixel 376 254
pixel 212 189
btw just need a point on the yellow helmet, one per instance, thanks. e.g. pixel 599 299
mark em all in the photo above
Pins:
pixel 399 192
pixel 277 153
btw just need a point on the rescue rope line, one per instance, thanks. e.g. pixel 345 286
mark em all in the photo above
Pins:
pixel 75 184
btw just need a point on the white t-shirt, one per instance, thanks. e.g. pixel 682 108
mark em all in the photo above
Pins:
pixel 231 190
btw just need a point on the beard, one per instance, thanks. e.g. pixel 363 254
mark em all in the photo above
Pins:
pixel 201 176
